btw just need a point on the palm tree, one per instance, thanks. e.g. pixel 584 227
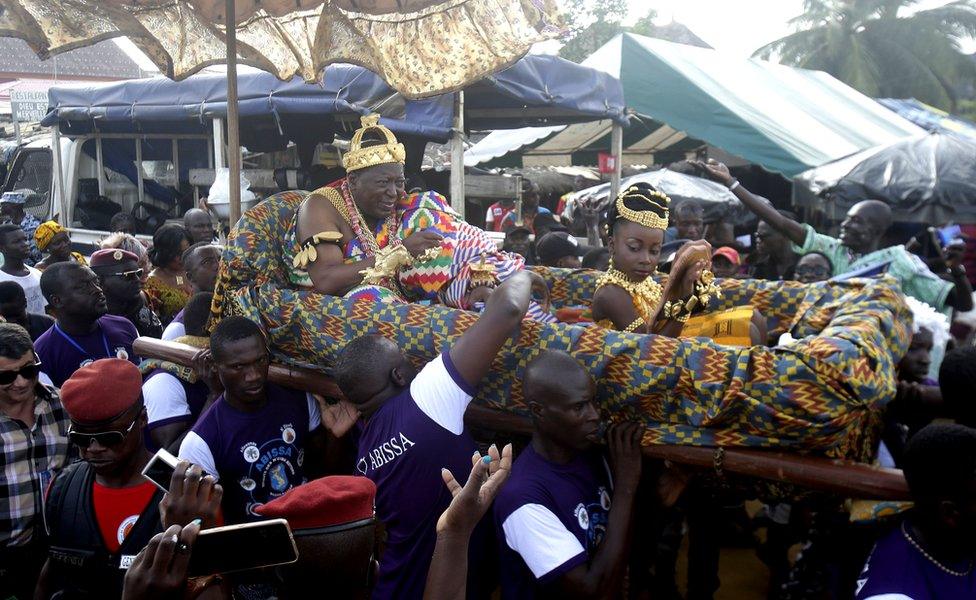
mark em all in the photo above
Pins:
pixel 884 48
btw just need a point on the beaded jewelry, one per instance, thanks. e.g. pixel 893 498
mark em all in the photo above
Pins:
pixel 931 559
pixel 645 294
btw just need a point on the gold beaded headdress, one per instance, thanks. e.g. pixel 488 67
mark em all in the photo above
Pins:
pixel 647 218
pixel 360 158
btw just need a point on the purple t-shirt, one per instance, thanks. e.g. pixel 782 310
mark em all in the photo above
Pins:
pixel 257 456
pixel 550 518
pixel 896 570
pixel 402 448
pixel 62 354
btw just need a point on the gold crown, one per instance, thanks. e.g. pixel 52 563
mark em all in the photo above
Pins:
pixel 647 218
pixel 361 158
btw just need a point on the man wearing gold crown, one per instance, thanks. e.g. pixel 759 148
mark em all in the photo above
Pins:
pixel 367 237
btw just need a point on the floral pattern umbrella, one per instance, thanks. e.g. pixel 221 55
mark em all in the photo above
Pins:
pixel 420 47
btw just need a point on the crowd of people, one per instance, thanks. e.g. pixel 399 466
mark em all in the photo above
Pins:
pixel 574 509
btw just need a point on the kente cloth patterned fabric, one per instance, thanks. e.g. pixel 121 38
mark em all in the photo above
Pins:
pixel 420 47
pixel 443 279
pixel 166 300
pixel 822 394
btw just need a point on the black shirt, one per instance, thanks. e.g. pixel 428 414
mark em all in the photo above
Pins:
pixel 38 324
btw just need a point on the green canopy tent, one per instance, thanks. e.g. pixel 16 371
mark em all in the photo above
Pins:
pixel 787 120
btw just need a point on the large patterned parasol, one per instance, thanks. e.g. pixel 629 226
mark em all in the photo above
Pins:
pixel 420 47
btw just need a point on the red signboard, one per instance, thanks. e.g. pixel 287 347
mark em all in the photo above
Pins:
pixel 607 162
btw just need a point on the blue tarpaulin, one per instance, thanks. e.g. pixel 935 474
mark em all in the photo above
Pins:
pixel 929 117
pixel 545 90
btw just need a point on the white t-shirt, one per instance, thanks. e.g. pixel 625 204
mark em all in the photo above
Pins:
pixel 32 289
pixel 174 330
pixel 165 398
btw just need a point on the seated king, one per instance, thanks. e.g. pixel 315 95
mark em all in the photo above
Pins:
pixel 364 236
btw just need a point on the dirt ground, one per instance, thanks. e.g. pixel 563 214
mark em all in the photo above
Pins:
pixel 743 576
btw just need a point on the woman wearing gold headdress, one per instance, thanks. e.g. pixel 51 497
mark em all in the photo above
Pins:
pixel 629 297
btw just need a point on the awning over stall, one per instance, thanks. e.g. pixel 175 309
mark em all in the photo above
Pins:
pixel 536 90
pixel 785 119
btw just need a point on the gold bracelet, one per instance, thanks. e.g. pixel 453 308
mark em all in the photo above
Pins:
pixel 637 323
pixel 674 311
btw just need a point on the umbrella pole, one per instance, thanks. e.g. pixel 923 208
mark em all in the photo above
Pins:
pixel 233 122
pixel 617 151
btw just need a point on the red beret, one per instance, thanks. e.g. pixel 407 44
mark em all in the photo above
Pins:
pixel 109 257
pixel 101 390
pixel 324 502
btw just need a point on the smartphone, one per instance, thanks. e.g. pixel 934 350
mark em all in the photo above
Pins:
pixel 948 234
pixel 242 547
pixel 160 469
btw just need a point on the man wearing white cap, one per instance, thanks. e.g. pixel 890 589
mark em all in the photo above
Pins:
pixel 12 207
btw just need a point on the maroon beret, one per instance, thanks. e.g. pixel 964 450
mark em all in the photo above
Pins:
pixel 109 257
pixel 101 390
pixel 324 502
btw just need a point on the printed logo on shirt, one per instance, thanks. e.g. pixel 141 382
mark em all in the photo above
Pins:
pixel 251 452
pixel 598 516
pixel 385 453
pixel 85 363
pixel 252 508
pixel 278 476
pixel 125 527
pixel 288 434
pixel 248 484
pixel 120 352
pixel 582 517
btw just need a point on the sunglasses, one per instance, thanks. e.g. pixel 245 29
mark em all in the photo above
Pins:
pixel 104 438
pixel 130 275
pixel 27 372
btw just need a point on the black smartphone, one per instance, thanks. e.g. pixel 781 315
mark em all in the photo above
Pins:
pixel 242 547
pixel 160 469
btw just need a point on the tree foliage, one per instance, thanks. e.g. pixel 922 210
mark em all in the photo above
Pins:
pixel 884 48
pixel 596 22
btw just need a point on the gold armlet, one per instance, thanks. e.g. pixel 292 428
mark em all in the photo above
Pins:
pixel 308 254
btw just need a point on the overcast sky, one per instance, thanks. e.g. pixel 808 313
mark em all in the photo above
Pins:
pixel 738 27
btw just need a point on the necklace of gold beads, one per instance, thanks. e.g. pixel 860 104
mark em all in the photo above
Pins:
pixel 645 294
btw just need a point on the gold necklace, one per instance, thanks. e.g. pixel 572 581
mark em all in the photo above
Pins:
pixel 644 294
pixel 931 559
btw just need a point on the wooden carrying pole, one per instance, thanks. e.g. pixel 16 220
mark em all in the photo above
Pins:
pixel 836 476
pixel 233 122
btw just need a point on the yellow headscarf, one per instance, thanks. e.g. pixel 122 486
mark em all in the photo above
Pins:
pixel 46 232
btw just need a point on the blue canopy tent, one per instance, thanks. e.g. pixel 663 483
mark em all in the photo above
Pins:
pixel 535 91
